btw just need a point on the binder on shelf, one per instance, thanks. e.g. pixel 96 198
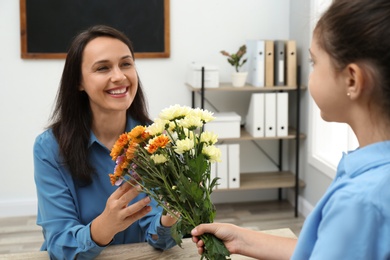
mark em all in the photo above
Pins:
pixel 254 123
pixel 270 114
pixel 269 63
pixel 222 168
pixel 234 165
pixel 279 55
pixel 291 63
pixel 281 114
pixel 255 50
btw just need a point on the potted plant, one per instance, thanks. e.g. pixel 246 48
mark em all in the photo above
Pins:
pixel 237 61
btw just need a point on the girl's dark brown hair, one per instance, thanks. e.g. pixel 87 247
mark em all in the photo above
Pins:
pixel 358 31
pixel 71 120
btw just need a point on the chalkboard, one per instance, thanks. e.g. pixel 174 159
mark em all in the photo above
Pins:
pixel 47 27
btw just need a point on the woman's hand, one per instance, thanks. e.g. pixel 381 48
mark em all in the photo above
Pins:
pixel 118 215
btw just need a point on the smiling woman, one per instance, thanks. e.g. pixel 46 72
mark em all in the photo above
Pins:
pixel 100 97
pixel 109 78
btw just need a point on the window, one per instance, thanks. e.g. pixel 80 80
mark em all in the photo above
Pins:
pixel 327 140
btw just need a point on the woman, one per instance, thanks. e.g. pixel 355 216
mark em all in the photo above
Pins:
pixel 350 83
pixel 99 98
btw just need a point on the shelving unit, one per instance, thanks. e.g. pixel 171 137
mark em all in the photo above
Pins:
pixel 263 180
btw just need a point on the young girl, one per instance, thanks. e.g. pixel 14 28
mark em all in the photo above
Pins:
pixel 350 83
pixel 99 98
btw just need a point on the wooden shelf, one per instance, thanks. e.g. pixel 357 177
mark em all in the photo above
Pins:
pixel 247 88
pixel 266 180
pixel 261 180
pixel 245 136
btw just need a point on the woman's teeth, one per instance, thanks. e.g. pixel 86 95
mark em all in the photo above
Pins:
pixel 117 91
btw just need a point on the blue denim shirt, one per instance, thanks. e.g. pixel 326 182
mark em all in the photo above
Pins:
pixel 352 220
pixel 66 210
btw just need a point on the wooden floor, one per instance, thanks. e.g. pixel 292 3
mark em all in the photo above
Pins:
pixel 21 234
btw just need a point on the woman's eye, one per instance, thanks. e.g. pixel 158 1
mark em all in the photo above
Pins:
pixel 102 68
pixel 126 64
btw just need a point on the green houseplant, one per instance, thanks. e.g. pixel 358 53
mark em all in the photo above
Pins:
pixel 237 60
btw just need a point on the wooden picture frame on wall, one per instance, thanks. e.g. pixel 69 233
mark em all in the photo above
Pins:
pixel 47 27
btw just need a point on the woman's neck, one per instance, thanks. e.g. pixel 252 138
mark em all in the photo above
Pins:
pixel 108 127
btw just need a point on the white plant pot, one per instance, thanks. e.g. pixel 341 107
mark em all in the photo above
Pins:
pixel 239 79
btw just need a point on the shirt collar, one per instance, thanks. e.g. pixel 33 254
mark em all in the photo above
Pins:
pixel 362 159
pixel 130 124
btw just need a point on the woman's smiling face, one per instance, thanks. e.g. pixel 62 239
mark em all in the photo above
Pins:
pixel 109 76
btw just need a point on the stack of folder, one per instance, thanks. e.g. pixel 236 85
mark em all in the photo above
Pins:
pixel 228 169
pixel 272 63
pixel 268 115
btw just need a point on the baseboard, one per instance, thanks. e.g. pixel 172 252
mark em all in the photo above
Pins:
pixel 17 208
pixel 304 207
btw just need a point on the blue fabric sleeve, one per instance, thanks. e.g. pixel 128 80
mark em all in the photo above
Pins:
pixel 65 237
pixel 348 229
pixel 165 240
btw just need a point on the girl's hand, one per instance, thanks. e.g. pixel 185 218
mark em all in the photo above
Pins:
pixel 226 232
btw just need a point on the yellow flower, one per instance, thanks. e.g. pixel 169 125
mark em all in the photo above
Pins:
pixel 209 138
pixel 212 152
pixel 191 122
pixel 184 145
pixel 174 112
pixel 157 127
pixel 158 158
pixel 204 115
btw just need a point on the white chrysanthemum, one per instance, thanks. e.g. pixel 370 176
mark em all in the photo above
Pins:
pixel 184 145
pixel 212 152
pixel 174 112
pixel 204 115
pixel 158 158
pixel 209 138
pixel 157 127
pixel 191 122
pixel 189 134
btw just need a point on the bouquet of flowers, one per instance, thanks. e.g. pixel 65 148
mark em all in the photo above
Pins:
pixel 170 160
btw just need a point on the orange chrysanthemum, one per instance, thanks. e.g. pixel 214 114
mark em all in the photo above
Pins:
pixel 120 168
pixel 158 142
pixel 136 135
pixel 119 145
pixel 131 150
pixel 113 178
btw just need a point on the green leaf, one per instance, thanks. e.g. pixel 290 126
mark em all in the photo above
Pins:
pixel 214 248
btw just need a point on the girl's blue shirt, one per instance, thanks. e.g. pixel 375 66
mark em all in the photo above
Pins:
pixel 66 209
pixel 352 220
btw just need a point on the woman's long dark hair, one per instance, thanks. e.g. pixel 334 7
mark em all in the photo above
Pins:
pixel 71 120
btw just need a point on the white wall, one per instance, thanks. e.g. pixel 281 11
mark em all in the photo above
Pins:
pixel 199 30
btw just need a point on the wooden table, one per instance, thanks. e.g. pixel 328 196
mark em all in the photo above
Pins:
pixel 143 251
